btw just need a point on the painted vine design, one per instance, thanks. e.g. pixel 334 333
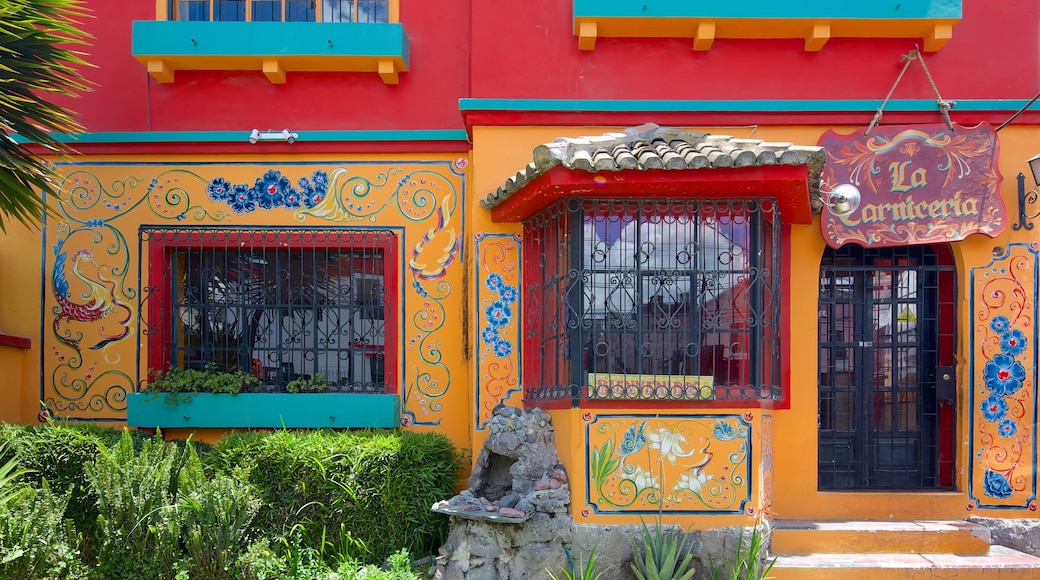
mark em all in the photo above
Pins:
pixel 1004 416
pixel 498 308
pixel 102 299
pixel 671 465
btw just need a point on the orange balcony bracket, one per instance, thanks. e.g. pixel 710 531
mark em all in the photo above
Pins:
pixel 160 70
pixel 274 71
pixel 388 71
pixel 704 37
pixel 587 32
pixel 818 36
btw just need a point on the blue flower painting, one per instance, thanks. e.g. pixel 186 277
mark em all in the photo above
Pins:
pixel 1003 375
pixel 993 408
pixel 996 485
pixel 271 191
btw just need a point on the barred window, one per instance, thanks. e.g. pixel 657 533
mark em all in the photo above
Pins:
pixel 675 300
pixel 280 304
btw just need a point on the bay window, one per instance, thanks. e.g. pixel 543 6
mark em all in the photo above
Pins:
pixel 654 300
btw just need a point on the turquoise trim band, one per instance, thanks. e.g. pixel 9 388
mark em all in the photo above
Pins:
pixel 735 106
pixel 243 136
pixel 270 39
pixel 758 9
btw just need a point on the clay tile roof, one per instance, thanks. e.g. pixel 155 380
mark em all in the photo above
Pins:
pixel 652 147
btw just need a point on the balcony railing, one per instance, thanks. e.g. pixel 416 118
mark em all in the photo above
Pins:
pixel 372 11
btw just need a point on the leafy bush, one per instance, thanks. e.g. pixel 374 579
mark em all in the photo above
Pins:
pixel 57 453
pixel 209 380
pixel 34 539
pixel 137 520
pixel 308 384
pixel 320 484
pixel 216 518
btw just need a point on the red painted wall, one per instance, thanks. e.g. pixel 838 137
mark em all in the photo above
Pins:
pixel 528 50
pixel 125 98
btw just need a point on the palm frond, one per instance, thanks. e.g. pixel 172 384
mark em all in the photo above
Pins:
pixel 40 42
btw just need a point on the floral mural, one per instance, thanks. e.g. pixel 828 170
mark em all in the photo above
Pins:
pixel 97 282
pixel 1004 399
pixel 497 293
pixel 680 464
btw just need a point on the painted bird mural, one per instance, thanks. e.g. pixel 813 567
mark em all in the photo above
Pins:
pixel 98 299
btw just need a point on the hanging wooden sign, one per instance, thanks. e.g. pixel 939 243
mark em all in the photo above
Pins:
pixel 919 184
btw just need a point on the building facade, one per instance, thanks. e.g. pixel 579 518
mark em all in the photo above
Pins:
pixel 628 215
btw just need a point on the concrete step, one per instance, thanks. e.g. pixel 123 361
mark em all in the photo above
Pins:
pixel 999 564
pixel 879 537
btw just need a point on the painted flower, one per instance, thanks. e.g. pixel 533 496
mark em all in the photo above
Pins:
pixel 641 479
pixel 1004 375
pixel 1007 428
pixel 507 294
pixel 313 194
pixel 292 198
pixel 503 348
pixel 1000 324
pixel 494 282
pixel 499 314
pixel 1013 342
pixel 994 408
pixel 489 335
pixel 219 189
pixel 321 178
pixel 996 485
pixel 670 444
pixel 692 484
pixel 271 189
pixel 243 199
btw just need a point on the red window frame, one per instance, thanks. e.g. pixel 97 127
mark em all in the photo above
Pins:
pixel 162 243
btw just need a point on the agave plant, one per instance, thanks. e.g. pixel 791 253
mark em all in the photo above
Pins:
pixel 38 41
pixel 660 553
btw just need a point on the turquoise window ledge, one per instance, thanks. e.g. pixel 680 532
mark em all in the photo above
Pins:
pixel 275 48
pixel 263 410
pixel 755 9
pixel 815 21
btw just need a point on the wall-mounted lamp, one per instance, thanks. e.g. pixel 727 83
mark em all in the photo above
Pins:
pixel 283 135
pixel 842 200
pixel 1027 199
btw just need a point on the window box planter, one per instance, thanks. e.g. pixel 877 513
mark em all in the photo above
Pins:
pixel 263 410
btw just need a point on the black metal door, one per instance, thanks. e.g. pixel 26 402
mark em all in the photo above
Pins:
pixel 886 366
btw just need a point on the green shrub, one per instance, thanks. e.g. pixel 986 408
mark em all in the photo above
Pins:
pixel 216 518
pixel 308 384
pixel 210 380
pixel 379 485
pixel 35 541
pixel 137 522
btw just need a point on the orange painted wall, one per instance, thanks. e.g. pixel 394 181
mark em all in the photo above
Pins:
pixel 499 152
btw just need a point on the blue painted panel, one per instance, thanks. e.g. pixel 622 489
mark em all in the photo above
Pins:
pixel 329 39
pixel 846 9
pixel 263 410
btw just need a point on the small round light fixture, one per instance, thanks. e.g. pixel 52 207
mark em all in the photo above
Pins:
pixel 843 199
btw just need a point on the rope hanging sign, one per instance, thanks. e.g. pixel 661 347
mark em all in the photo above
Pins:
pixel 944 105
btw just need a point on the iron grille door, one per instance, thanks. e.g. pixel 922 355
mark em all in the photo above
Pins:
pixel 885 326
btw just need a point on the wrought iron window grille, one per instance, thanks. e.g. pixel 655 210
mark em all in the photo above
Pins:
pixel 281 304
pixel 653 300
